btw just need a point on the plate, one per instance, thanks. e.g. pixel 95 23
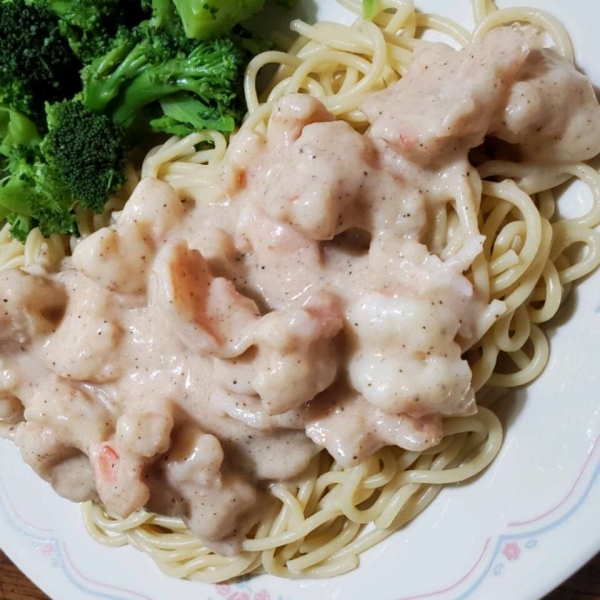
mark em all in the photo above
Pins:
pixel 517 531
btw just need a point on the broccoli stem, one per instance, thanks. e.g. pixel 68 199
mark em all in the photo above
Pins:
pixel 205 79
pixel 141 92
pixel 15 199
pixel 102 89
pixel 17 130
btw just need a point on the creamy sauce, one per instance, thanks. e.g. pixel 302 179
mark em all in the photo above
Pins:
pixel 196 351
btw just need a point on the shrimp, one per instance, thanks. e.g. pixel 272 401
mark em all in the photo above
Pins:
pixel 205 311
pixel 118 480
pixel 119 465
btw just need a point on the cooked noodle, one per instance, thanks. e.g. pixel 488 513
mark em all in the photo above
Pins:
pixel 322 521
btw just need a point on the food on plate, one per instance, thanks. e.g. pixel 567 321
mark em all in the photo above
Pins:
pixel 270 350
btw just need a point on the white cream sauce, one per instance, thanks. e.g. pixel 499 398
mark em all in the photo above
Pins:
pixel 196 351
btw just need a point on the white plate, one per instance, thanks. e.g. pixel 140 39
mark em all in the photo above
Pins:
pixel 516 532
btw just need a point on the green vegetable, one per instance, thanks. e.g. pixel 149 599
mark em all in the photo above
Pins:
pixel 151 69
pixel 31 198
pixel 165 16
pixel 90 25
pixel 82 81
pixel 19 148
pixel 86 151
pixel 18 137
pixel 184 115
pixel 206 19
pixel 37 198
pixel 37 65
pixel 371 8
pixel 20 226
pixel 81 160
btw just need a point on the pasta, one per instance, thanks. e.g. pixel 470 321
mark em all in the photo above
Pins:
pixel 324 520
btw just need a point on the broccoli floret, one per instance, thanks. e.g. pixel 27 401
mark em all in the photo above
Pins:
pixel 37 65
pixel 81 160
pixel 86 151
pixel 184 115
pixel 211 72
pixel 20 226
pixel 19 148
pixel 34 197
pixel 30 193
pixel 165 17
pixel 16 208
pixel 204 19
pixel 19 139
pixel 16 130
pixel 90 25
pixel 150 68
pixel 131 52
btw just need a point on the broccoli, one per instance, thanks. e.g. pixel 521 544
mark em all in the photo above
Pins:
pixel 19 147
pixel 151 69
pixel 81 81
pixel 16 130
pixel 90 25
pixel 19 138
pixel 184 115
pixel 37 64
pixel 35 198
pixel 371 8
pixel 205 19
pixel 131 52
pixel 30 193
pixel 165 16
pixel 16 208
pixel 86 152
pixel 81 160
